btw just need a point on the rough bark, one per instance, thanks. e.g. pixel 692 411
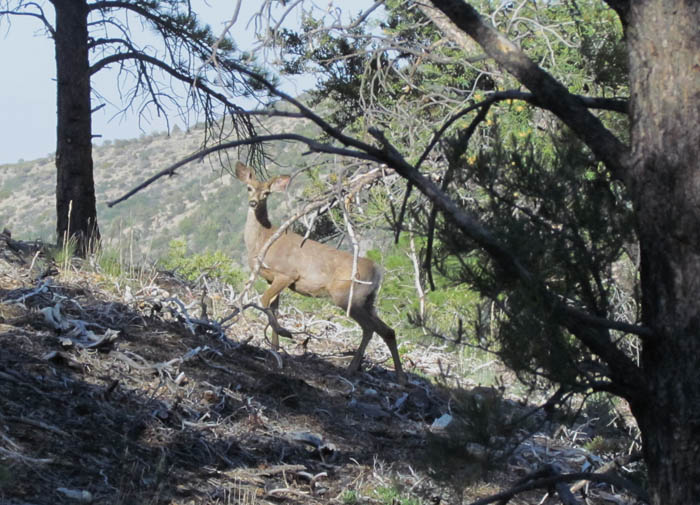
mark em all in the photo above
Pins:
pixel 662 173
pixel 664 46
pixel 75 187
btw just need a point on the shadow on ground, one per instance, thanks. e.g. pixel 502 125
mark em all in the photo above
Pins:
pixel 157 413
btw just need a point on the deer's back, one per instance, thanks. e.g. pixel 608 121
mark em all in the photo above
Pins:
pixel 319 269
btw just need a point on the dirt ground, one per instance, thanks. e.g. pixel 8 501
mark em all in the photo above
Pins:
pixel 118 394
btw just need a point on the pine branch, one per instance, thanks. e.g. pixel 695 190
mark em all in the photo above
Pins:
pixel 548 92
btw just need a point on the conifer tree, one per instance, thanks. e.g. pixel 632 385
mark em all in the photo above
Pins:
pixel 162 75
pixel 541 196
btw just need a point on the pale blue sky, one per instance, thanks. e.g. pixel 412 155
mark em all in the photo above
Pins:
pixel 27 87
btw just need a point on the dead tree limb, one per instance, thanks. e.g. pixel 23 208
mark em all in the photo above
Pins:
pixel 543 479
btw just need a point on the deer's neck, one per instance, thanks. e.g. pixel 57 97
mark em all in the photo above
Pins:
pixel 260 215
pixel 257 228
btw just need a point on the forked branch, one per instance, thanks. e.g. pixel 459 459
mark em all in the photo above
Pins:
pixel 549 92
pixel 39 14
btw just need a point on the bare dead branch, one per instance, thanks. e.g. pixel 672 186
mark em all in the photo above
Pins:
pixel 141 57
pixel 543 479
pixel 402 212
pixel 269 313
pixel 464 138
pixel 613 104
pixel 311 143
pixel 39 15
pixel 592 330
pixel 272 113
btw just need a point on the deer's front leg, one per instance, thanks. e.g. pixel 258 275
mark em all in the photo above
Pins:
pixel 271 297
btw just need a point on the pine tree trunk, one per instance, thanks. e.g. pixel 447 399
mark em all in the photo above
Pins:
pixel 664 46
pixel 75 187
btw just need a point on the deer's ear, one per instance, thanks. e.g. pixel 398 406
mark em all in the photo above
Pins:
pixel 280 183
pixel 243 172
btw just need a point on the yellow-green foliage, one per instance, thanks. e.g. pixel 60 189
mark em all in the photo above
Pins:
pixel 398 301
pixel 215 265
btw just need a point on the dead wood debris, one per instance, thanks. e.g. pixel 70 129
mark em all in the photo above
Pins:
pixel 116 393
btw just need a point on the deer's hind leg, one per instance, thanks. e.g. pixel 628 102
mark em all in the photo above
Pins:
pixel 370 324
pixel 360 352
pixel 389 336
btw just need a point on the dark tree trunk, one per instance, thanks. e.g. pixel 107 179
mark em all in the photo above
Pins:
pixel 664 46
pixel 75 187
pixel 663 175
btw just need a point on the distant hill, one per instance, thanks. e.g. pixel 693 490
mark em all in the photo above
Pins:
pixel 202 204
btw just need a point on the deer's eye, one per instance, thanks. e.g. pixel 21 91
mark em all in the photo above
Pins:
pixel 265 194
pixel 250 190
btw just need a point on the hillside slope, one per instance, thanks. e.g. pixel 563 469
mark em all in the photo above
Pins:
pixel 202 204
pixel 120 390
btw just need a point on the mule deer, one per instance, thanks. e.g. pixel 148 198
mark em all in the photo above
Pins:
pixel 312 269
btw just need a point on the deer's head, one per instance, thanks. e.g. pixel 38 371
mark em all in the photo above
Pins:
pixel 259 191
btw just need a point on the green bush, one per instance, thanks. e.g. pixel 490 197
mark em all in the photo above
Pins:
pixel 349 497
pixel 398 300
pixel 392 496
pixel 214 265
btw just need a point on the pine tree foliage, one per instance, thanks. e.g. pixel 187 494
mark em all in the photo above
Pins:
pixel 508 162
pixel 166 63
